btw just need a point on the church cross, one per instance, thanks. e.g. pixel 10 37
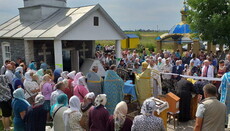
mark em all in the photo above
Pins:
pixel 83 50
pixel 44 53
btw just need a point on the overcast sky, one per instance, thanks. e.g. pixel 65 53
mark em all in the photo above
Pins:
pixel 128 14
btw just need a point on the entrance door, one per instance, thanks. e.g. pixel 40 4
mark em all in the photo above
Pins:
pixel 66 60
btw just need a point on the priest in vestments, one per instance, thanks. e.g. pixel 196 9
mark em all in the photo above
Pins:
pixel 94 81
pixel 144 88
pixel 113 88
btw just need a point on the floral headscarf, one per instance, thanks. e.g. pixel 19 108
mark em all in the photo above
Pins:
pixel 148 107
pixel 100 100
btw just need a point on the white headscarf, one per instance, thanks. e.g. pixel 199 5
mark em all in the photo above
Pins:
pixel 19 69
pixel 148 107
pixel 27 76
pixel 100 100
pixel 119 116
pixel 39 100
pixel 64 74
pixel 72 74
pixel 82 81
pixel 90 95
pixel 75 105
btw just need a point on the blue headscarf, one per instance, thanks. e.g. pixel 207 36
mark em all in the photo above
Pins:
pixel 32 66
pixel 62 100
pixel 57 74
pixel 18 75
pixel 44 66
pixel 19 94
pixel 18 82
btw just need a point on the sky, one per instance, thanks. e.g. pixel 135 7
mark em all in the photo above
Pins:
pixel 128 14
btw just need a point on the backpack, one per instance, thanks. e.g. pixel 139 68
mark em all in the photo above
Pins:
pixel 5 89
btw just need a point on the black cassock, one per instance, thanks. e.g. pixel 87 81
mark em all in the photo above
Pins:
pixel 184 90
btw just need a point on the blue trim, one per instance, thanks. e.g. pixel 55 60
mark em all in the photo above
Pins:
pixel 180 29
pixel 132 36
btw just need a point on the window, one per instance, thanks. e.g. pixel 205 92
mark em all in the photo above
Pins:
pixel 96 21
pixel 6 54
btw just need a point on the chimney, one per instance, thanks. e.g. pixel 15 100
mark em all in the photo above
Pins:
pixel 36 10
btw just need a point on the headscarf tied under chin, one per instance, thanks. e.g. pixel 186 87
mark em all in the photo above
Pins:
pixel 28 76
pixel 120 113
pixel 19 94
pixel 77 76
pixel 75 105
pixel 39 100
pixel 62 100
pixel 148 107
pixel 72 74
pixel 82 81
pixel 100 100
pixel 32 66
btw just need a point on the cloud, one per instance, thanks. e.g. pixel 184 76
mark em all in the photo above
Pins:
pixel 128 14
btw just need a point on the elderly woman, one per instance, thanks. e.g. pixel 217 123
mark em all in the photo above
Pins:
pixel 81 89
pixel 99 116
pixel 72 116
pixel 36 115
pixel 57 74
pixel 86 106
pixel 57 111
pixel 119 121
pixel 31 86
pixel 147 121
pixel 19 105
pixel 76 78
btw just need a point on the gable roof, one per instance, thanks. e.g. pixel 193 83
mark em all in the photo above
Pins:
pixel 54 26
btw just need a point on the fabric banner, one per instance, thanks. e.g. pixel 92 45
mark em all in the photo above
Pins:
pixel 195 77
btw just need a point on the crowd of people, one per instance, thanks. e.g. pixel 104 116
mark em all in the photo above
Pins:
pixel 73 101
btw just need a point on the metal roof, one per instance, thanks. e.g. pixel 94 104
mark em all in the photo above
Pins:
pixel 132 36
pixel 53 26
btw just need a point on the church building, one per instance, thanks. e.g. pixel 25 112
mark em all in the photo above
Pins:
pixel 63 37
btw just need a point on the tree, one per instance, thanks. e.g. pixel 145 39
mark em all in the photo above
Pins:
pixel 210 19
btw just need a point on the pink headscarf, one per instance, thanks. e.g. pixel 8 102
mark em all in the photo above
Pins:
pixel 77 76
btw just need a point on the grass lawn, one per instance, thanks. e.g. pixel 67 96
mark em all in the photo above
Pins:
pixel 147 39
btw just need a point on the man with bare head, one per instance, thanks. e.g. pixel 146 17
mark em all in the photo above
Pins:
pixel 9 73
pixel 3 69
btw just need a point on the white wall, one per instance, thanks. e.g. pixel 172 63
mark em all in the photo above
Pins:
pixel 87 31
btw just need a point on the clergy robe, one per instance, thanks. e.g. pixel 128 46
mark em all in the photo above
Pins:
pixel 184 89
pixel 224 90
pixel 144 88
pixel 94 83
pixel 113 88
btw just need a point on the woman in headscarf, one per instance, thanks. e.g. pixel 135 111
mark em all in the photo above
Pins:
pixel 17 81
pixel 63 76
pixel 113 88
pixel 40 74
pixel 119 121
pixel 147 121
pixel 47 86
pixel 57 111
pixel 77 76
pixel 72 116
pixel 70 78
pixel 36 115
pixel 57 74
pixel 32 66
pixel 19 105
pixel 86 106
pixel 99 116
pixel 81 89
pixel 31 87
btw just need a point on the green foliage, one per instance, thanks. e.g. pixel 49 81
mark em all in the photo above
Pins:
pixel 210 19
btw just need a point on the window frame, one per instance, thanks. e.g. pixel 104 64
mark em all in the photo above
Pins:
pixel 6 51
